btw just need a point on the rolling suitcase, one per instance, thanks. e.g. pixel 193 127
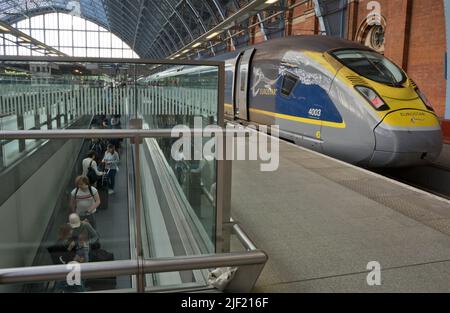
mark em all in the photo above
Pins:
pixel 109 283
pixel 104 198
pixel 103 187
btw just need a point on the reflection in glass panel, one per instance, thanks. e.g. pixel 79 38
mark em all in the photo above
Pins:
pixel 10 151
pixel 29 121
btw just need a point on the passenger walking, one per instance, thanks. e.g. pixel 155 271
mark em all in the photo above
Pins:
pixel 83 236
pixel 99 147
pixel 85 200
pixel 61 252
pixel 111 161
pixel 90 169
pixel 115 122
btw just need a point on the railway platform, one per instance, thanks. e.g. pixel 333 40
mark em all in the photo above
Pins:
pixel 322 221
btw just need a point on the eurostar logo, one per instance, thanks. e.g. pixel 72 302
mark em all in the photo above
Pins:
pixel 415 119
pixel 266 91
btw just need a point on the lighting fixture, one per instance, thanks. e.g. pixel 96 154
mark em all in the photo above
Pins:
pixel 213 35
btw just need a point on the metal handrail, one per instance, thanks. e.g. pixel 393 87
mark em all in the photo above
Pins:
pixel 130 267
pixel 243 237
pixel 91 134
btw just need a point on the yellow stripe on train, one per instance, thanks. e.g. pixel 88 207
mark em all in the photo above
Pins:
pixel 295 118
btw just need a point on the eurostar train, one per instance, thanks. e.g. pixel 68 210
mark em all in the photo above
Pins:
pixel 333 96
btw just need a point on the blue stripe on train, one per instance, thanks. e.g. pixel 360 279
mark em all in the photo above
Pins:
pixel 307 99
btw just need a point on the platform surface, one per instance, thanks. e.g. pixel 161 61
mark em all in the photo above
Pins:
pixel 322 221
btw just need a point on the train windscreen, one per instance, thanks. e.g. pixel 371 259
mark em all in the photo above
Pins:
pixel 371 65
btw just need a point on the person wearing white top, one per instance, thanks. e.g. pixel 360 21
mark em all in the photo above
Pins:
pixel 87 162
pixel 85 200
pixel 111 161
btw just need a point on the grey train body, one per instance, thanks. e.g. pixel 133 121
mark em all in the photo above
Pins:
pixel 352 132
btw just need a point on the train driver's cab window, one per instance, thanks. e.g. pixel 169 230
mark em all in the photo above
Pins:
pixel 371 65
pixel 289 82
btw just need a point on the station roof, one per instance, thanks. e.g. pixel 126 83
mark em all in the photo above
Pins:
pixel 152 28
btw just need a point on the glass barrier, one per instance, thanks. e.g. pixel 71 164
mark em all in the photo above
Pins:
pixel 56 217
pixel 177 189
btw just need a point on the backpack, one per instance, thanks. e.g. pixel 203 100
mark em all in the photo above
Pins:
pixel 92 175
pixel 90 191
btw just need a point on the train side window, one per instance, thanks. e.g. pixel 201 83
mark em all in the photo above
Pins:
pixel 289 82
pixel 243 80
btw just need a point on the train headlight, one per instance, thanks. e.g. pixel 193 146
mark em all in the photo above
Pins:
pixel 374 99
pixel 424 99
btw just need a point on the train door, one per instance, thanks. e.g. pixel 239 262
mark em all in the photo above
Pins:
pixel 241 87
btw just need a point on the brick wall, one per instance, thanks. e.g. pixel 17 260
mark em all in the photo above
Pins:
pixel 446 130
pixel 427 46
pixel 303 20
pixel 415 37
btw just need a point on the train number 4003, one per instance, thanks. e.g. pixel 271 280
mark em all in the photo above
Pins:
pixel 315 112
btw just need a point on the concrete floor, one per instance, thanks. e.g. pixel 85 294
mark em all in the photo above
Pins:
pixel 322 221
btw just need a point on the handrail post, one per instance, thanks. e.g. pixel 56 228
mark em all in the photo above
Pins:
pixel 137 124
pixel 137 194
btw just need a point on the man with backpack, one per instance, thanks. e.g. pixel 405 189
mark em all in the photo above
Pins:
pixel 85 200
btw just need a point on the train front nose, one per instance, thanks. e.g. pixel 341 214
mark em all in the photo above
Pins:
pixel 407 138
